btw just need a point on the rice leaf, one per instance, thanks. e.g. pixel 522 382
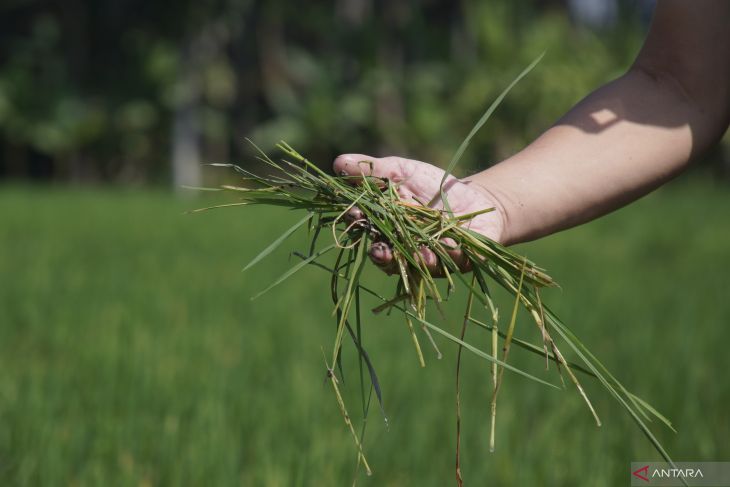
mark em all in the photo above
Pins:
pixel 275 244
pixel 487 114
pixel 293 271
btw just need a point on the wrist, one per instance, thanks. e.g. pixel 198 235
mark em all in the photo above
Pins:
pixel 500 216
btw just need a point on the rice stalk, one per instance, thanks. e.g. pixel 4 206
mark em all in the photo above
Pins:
pixel 298 184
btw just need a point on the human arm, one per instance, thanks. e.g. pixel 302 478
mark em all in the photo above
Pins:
pixel 629 136
pixel 619 143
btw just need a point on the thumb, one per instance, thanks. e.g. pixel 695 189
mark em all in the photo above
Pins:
pixel 363 165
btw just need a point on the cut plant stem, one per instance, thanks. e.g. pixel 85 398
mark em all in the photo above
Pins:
pixel 412 331
pixel 420 309
pixel 341 403
pixel 493 404
pixel 467 316
pixel 508 338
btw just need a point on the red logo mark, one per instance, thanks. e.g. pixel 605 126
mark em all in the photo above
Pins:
pixel 638 473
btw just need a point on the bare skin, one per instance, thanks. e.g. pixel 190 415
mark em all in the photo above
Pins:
pixel 422 181
pixel 619 143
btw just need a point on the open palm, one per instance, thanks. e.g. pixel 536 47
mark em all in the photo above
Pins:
pixel 420 182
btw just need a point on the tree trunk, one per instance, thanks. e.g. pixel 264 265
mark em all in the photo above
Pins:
pixel 186 142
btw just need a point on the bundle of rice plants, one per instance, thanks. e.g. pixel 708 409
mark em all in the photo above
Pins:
pixel 327 201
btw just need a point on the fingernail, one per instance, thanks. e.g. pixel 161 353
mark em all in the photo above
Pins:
pixel 354 214
pixel 429 258
pixel 380 253
pixel 449 243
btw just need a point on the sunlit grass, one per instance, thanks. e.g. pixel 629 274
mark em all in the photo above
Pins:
pixel 126 360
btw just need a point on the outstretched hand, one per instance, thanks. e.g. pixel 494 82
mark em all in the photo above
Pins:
pixel 419 182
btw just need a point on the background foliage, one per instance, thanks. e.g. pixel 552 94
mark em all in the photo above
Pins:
pixel 104 90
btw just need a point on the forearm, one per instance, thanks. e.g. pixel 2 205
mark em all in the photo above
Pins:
pixel 628 137
pixel 616 145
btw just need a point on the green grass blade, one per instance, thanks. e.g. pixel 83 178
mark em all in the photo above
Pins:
pixel 478 352
pixel 444 333
pixel 460 151
pixel 293 270
pixel 275 244
pixel 579 349
pixel 653 411
pixel 359 264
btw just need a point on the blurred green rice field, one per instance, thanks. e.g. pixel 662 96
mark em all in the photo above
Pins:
pixel 131 354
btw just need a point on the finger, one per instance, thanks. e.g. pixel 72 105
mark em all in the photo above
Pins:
pixel 430 260
pixel 353 214
pixel 434 265
pixel 456 254
pixel 392 168
pixel 382 256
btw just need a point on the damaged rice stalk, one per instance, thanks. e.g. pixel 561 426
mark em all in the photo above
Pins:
pixel 406 228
